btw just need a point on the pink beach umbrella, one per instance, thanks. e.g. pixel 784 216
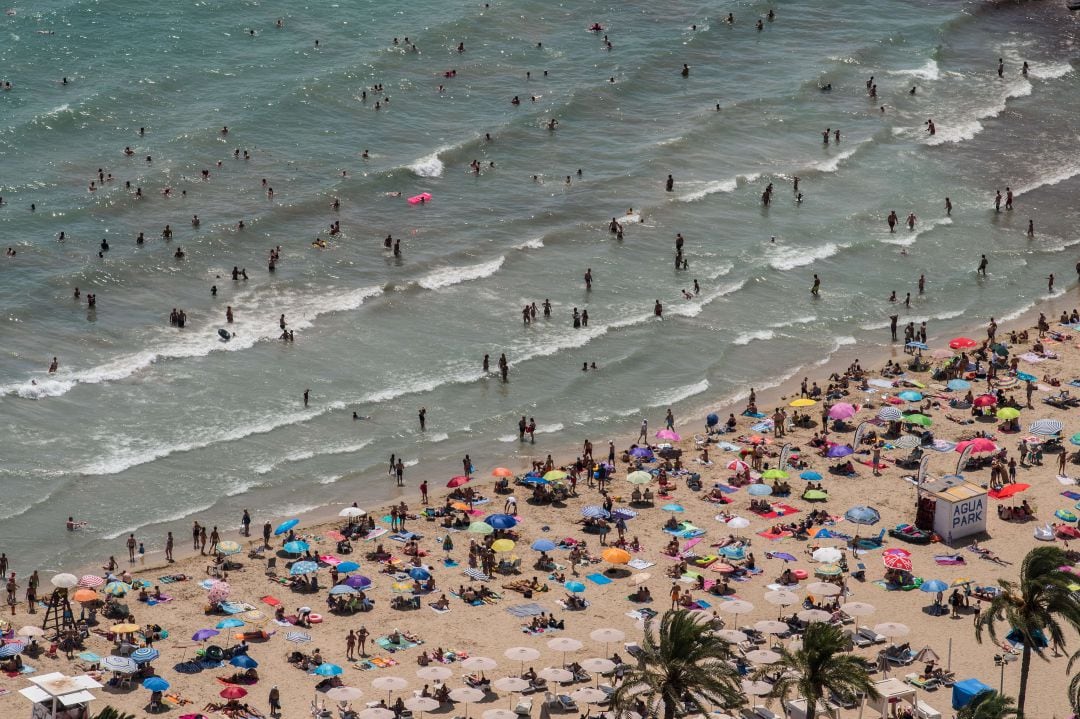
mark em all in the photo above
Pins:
pixel 979 444
pixel 737 465
pixel 842 410
pixel 669 435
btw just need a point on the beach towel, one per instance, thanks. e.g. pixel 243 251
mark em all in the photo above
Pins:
pixel 771 535
pixel 532 609
pixel 598 578
pixel 700 604
pixel 476 574
pixel 949 560
pixel 642 614
pixel 756 415
pixel 389 646
pixel 1031 357
pixel 1069 494
pixel 170 578
pixel 728 446
pixel 373 534
pixel 766 426
pixel 725 488
pixel 639 564
pixel 236 607
pixel 271 600
pixel 437 610
pixel 941 445
pixel 449 563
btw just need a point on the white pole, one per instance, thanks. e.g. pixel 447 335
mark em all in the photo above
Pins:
pixel 948 667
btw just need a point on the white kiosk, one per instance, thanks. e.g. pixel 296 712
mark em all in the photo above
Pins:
pixel 959 507
pixel 57 696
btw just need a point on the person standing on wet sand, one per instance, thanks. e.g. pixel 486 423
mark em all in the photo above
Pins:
pixel 307 394
pixel 816 288
pixel 245 523
pixel 422 416
pixel 399 472
pixel 982 266
pixel 131 544
pixel 169 548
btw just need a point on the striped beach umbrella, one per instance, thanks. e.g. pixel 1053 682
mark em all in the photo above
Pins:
pixel 890 414
pixel 1046 427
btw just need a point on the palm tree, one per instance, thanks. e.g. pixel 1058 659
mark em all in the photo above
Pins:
pixel 820 665
pixel 989 705
pixel 1037 607
pixel 682 662
pixel 109 713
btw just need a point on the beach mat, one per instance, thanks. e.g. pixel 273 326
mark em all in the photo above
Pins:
pixel 598 578
pixel 532 609
pixel 1071 495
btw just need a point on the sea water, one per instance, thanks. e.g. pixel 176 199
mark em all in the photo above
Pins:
pixel 146 426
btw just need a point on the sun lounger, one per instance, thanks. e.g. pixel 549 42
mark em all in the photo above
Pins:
pixel 873 636
pixel 523 707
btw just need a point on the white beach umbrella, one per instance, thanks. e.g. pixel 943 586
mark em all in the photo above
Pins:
pixel 607 635
pixel 421 704
pixel 782 597
pixel 738 523
pixel 352 512
pixel 65 581
pixel 763 656
pixel 814 615
pixel 522 654
pixel 771 626
pixel 597 665
pixel 822 589
pixel 827 555
pixel 858 609
pixel 479 664
pixel 556 674
pixel 511 684
pixel 564 644
pixel 588 695
pixel 376 713
pixel 732 635
pixel 892 630
pixel 344 694
pixel 499 714
pixel 435 674
pixel 31 631
pixel 735 606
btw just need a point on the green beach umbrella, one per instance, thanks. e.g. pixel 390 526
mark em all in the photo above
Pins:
pixel 920 419
pixel 815 494
pixel 774 474
pixel 639 477
pixel 1007 413
pixel 480 528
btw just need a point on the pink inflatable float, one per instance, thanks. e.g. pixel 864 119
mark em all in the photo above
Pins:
pixel 420 199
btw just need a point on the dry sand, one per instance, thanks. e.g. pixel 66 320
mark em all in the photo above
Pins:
pixel 488 630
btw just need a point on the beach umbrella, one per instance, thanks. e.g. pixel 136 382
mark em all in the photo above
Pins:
pixel 639 477
pixel 233 692
pixel 1009 490
pixel 737 466
pixel 218 592
pixel 756 688
pixel 327 669
pixel 467 696
pixel 733 636
pixel 532 479
pixel 296 547
pixel 435 674
pixel 243 661
pixel 774 474
pixel 574 587
pixel 763 656
pixel 803 402
pixel 759 490
pixel 543 545
pixel 771 626
pixel 203 634
pixel 564 644
pixel 555 674
pixel 91 581
pixel 31 631
pixel 65 581
pixel 890 414
pixel 614 555
pixel 814 495
pixel 555 475
pixel 942 353
pixel 419 573
pixel 829 570
pixel 827 555
pixel 1046 427
pixel 1007 413
pixel 155 684
pixel 502 472
pixel 814 615
pixel 919 419
pixel 735 606
pixel 910 396
pixel 892 630
pixel 10 650
pixel 897 561
pixel 978 445
pixel 962 343
pixel 908 441
pixel 985 400
pixel 479 664
pixel 124 665
pixel 641 452
pixel 347 567
pixel 863 515
pixel 858 609
pixel 482 528
pixel 586 695
pixel 1065 515
pixel 304 567
pixel 229 623
pixel 457 481
pixel 623 513
pixel 607 635
pixel 839 450
pixel 933 586
pixel 376 713
pixel 782 598
pixel 388 685
pixel 669 435
pixel 842 410
pixel 344 694
pixel 286 526
pixel 738 523
pixel 822 589
pixel 593 511
pixel 420 704
pixel 926 654
pixel 357 581
pixel 228 547
pixel 117 589
pixel 676 508
pixel 897 550
pixel 352 513
pixel 501 521
pixel 811 476
pixel 126 628
pixel 958 385
pixel 638 579
pixel 522 654
pixel 143 655
pixel 502 545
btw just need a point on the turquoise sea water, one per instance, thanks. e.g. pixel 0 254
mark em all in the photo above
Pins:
pixel 147 426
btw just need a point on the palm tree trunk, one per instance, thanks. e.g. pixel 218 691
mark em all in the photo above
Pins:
pixel 1025 667
pixel 669 709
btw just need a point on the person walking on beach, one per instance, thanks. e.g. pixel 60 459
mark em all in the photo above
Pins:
pixel 361 639
pixel 982 266
pixel 169 548
pixel 423 492
pixel 1050 283
pixel 350 645
pixel 1008 197
pixel 215 537
pixel 131 544
pixel 307 394
pixel 195 535
pixel 643 434
pixel 267 529
pixel 399 471
pixel 669 420
pixel 202 540
pixel 422 414
pixel 275 701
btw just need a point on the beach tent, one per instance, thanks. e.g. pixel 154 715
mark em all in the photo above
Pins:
pixel 964 692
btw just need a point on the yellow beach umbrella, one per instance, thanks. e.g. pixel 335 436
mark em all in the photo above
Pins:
pixel 803 402
pixel 126 628
pixel 502 545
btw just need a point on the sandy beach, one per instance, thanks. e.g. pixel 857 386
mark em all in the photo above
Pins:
pixel 490 628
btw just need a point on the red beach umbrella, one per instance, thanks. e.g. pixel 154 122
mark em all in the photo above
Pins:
pixel 233 692
pixel 962 343
pixel 457 481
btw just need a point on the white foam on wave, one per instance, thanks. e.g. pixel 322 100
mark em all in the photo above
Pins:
pixel 953 131
pixel 788 257
pixel 678 394
pixel 905 238
pixel 1050 70
pixel 450 276
pixel 712 187
pixel 428 165
pixel 303 308
pixel 745 338
pixel 302 455
pixel 928 71
pixel 534 244
pixel 832 164
pixel 437 437
pixel 693 308
pixel 1050 177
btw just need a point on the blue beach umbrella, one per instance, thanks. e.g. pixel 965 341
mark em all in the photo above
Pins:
pixel 711 420
pixel 574 587
pixel 673 508
pixel 862 515
pixel 243 661
pixel 155 684
pixel 303 568
pixel 910 395
pixel 419 573
pixel 959 385
pixel 339 589
pixel 328 670
pixel 501 521
pixel 145 654
pixel 297 547
pixel 933 586
pixel 759 490
pixel 229 623
pixel 593 512
pixel 347 567
pixel 811 476
pixel 534 480
pixel 286 526
pixel 10 650
pixel 543 545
